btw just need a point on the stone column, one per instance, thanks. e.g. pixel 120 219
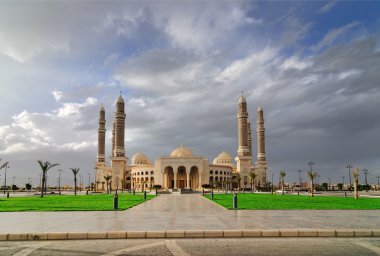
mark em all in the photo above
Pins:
pixel 188 179
pixel 260 135
pixel 175 179
pixel 101 135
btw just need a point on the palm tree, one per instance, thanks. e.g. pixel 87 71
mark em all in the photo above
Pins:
pixel 282 175
pixel 312 175
pixel 45 166
pixel 107 178
pixel 356 181
pixel 252 175
pixel 75 172
pixel 238 179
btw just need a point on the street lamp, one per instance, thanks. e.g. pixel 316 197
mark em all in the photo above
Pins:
pixel 329 182
pixel 365 171
pixel 272 182
pixel 349 174
pixel 311 165
pixel 299 177
pixel 59 181
pixel 343 181
pixel 89 182
pixel 378 182
pixel 6 166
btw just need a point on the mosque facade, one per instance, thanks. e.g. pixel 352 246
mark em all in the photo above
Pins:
pixel 182 169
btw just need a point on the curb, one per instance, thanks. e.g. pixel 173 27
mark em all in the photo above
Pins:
pixel 192 234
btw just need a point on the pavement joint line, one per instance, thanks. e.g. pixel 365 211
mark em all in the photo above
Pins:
pixel 134 248
pixel 191 234
pixel 369 246
pixel 30 249
pixel 175 249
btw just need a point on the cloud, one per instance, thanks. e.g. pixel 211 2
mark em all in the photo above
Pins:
pixel 327 7
pixel 57 95
pixel 333 35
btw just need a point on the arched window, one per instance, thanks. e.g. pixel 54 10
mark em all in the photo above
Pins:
pixel 146 173
pixel 216 172
pixel 151 172
pixel 211 172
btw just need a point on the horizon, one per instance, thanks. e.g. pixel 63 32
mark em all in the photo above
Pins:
pixel 181 67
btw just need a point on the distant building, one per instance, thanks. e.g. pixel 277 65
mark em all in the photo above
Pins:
pixel 181 169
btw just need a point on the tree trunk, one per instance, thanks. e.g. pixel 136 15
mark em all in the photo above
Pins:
pixel 312 188
pixel 75 185
pixel 356 194
pixel 42 184
pixel 282 184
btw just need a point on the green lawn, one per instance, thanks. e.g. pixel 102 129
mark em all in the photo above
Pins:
pixel 95 202
pixel 293 202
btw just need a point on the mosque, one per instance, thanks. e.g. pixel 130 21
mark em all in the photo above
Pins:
pixel 181 169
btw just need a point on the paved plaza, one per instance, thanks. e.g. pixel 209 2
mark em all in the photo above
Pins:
pixel 187 247
pixel 185 212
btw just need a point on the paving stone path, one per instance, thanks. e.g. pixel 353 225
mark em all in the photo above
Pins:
pixel 185 212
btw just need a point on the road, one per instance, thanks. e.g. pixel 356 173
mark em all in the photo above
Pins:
pixel 185 247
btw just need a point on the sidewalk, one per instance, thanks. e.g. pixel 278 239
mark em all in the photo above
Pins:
pixel 186 212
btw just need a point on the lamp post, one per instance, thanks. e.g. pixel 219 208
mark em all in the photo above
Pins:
pixel 365 171
pixel 299 177
pixel 349 174
pixel 378 182
pixel 95 182
pixel 272 182
pixel 89 181
pixel 59 181
pixel 343 180
pixel 5 176
pixel 311 165
pixel 329 182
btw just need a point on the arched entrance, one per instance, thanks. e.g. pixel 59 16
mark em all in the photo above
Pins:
pixel 194 177
pixel 181 177
pixel 168 177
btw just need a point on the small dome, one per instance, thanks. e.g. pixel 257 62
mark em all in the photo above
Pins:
pixel 120 99
pixel 223 159
pixel 181 152
pixel 140 159
pixel 242 99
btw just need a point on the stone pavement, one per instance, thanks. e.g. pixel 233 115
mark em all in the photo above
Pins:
pixel 185 212
pixel 187 247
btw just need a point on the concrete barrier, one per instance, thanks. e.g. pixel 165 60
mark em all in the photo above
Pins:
pixel 157 234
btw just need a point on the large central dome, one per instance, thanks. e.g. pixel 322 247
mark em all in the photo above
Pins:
pixel 181 152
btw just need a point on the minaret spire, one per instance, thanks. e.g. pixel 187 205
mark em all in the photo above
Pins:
pixel 119 125
pixel 242 117
pixel 101 135
pixel 260 135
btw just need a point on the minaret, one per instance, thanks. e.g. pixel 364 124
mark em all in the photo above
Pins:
pixel 101 135
pixel 249 138
pixel 119 128
pixel 242 116
pixel 261 164
pixel 118 159
pixel 243 159
pixel 113 138
pixel 260 135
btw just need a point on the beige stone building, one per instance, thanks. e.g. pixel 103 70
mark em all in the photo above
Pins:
pixel 182 169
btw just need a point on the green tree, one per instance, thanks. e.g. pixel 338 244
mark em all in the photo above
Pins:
pixel 157 187
pixel 282 175
pixel 45 166
pixel 325 186
pixel 75 172
pixel 107 178
pixel 340 186
pixel 252 176
pixel 28 186
pixel 311 175
pixel 356 182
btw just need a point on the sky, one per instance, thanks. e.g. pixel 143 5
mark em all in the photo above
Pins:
pixel 181 67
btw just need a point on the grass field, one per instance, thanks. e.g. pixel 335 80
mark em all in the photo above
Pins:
pixel 95 202
pixel 293 202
